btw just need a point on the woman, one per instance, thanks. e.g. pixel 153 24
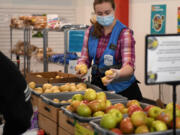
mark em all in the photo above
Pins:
pixel 110 45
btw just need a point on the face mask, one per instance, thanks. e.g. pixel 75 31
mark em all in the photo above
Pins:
pixel 105 20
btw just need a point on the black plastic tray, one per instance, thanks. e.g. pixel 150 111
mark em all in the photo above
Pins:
pixel 88 119
pixel 98 129
pixel 89 85
pixel 48 98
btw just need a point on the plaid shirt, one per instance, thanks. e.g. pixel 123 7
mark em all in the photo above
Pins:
pixel 125 51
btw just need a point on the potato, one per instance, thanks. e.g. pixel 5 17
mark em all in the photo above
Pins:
pixel 47 86
pixel 54 88
pixel 55 91
pixel 57 77
pixel 72 88
pixel 63 101
pixel 48 91
pixel 81 85
pixel 64 88
pixel 39 90
pixel 56 100
pixel 32 85
pixel 39 76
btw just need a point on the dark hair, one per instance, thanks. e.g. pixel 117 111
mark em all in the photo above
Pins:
pixel 97 27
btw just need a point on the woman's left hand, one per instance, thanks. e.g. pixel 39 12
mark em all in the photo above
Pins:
pixel 114 76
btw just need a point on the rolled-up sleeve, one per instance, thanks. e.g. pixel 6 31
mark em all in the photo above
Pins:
pixel 84 58
pixel 127 44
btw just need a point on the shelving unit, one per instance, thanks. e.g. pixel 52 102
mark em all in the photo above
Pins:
pixel 27 41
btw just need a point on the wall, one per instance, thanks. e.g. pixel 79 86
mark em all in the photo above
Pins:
pixel 140 12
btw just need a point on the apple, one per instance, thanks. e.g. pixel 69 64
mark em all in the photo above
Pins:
pixel 141 129
pixel 132 102
pixel 149 121
pixel 98 114
pixel 177 123
pixel 104 80
pixel 117 131
pixel 146 109
pixel 95 105
pixel 134 108
pixel 154 111
pixel 75 104
pixel 82 68
pixel 126 126
pixel 119 106
pixel 109 108
pixel 84 110
pixel 158 125
pixel 78 97
pixel 103 105
pixel 138 118
pixel 70 108
pixel 108 103
pixel 108 121
pixel 117 114
pixel 90 94
pixel 169 106
pixel 85 102
pixel 125 111
pixel 101 96
pixel 165 116
pixel 109 72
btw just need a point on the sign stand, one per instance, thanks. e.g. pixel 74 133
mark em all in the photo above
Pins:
pixel 162 63
pixel 174 106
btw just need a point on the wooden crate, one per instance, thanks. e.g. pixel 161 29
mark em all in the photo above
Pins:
pixel 62 131
pixel 49 126
pixel 48 111
pixel 35 100
pixel 66 123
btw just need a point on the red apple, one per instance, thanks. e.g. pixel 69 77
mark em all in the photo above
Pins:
pixel 138 118
pixel 109 108
pixel 117 131
pixel 165 116
pixel 142 129
pixel 146 109
pixel 126 126
pixel 132 102
pixel 177 123
pixel 85 102
pixel 119 106
pixel 95 106
pixel 134 108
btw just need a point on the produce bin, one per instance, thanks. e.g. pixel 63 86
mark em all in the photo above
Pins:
pixel 98 129
pixel 48 98
pixel 89 85
pixel 114 98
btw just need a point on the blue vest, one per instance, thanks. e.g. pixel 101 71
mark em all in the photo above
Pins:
pixel 92 48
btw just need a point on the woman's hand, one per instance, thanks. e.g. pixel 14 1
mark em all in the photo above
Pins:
pixel 112 77
pixel 81 70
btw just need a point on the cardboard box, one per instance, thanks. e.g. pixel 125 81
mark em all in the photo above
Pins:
pixel 51 77
pixel 48 111
pixel 47 125
pixel 66 123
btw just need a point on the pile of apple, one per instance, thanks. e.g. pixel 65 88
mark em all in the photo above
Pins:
pixel 134 119
pixel 91 104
